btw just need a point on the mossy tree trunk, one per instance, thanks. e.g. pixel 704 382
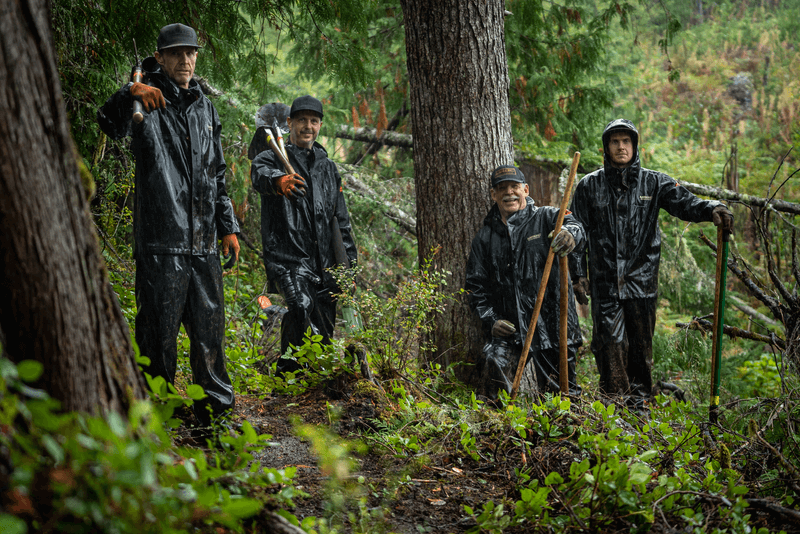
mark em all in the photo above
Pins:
pixel 458 76
pixel 56 303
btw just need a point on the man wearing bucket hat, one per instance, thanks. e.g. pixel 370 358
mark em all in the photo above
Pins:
pixel 301 214
pixel 618 206
pixel 181 210
pixel 504 269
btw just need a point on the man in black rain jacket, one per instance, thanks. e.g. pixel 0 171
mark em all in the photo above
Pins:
pixel 297 214
pixel 181 209
pixel 618 206
pixel 504 270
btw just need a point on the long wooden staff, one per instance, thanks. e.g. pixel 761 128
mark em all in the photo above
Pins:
pixel 545 276
pixel 563 335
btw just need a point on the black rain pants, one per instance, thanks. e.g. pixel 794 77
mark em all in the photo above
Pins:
pixel 499 368
pixel 315 308
pixel 622 343
pixel 172 289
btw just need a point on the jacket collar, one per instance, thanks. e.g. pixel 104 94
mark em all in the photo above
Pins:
pixel 631 172
pixel 170 89
pixel 493 218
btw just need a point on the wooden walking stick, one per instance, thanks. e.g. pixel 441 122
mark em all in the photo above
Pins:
pixel 723 237
pixel 563 376
pixel 545 275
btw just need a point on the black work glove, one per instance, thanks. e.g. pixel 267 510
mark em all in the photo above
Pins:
pixel 722 216
pixel 581 289
pixel 288 290
pixel 291 185
pixel 563 243
pixel 503 328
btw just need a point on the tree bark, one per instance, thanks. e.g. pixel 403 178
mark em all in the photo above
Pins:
pixel 56 303
pixel 458 78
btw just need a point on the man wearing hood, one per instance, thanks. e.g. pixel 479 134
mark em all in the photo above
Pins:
pixel 181 210
pixel 618 206
pixel 504 269
pixel 301 215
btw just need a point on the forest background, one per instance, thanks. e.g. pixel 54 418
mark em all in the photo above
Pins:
pixel 714 91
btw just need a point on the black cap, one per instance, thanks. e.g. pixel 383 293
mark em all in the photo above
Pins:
pixel 306 103
pixel 507 173
pixel 177 34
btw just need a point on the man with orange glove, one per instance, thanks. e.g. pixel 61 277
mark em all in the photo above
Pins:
pixel 297 216
pixel 181 210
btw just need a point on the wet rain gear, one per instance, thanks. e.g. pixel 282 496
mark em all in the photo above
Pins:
pixel 502 277
pixel 181 210
pixel 619 209
pixel 297 238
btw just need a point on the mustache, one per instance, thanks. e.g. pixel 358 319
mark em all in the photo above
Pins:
pixel 510 197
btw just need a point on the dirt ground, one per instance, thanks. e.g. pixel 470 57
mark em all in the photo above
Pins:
pixel 431 499
pixel 410 494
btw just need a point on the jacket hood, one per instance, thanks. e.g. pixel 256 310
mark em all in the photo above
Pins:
pixel 620 125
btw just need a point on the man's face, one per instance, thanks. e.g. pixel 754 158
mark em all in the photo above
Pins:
pixel 178 63
pixel 510 197
pixel 304 128
pixel 620 148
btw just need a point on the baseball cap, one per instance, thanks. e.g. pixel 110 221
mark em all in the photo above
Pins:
pixel 306 103
pixel 507 173
pixel 177 34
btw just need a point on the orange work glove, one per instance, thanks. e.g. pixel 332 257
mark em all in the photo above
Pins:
pixel 150 97
pixel 229 242
pixel 291 185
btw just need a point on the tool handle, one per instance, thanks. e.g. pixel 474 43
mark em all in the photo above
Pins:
pixel 138 110
pixel 281 156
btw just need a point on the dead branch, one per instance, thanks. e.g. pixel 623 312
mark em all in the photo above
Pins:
pixel 773 304
pixel 751 312
pixel 726 194
pixel 701 325
pixel 405 221
pixel 794 481
pixel 369 135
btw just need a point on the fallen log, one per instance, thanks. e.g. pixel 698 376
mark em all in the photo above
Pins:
pixel 726 194
pixel 369 135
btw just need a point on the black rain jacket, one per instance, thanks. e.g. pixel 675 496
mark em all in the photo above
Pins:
pixel 619 210
pixel 296 233
pixel 504 269
pixel 182 205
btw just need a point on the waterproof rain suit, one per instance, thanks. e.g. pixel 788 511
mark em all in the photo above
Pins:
pixel 619 210
pixel 298 241
pixel 181 210
pixel 504 270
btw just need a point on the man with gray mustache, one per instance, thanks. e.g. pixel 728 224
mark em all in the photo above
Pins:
pixel 504 270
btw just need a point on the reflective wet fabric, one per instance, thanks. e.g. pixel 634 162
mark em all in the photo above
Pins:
pixel 619 210
pixel 297 238
pixel 175 289
pixel 181 210
pixel 502 277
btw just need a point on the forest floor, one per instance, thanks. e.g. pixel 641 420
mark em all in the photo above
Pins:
pixel 425 493
pixel 415 492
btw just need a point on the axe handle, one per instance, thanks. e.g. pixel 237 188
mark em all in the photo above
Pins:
pixel 563 335
pixel 281 156
pixel 545 276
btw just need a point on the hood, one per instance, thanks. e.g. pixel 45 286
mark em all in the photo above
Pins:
pixel 621 125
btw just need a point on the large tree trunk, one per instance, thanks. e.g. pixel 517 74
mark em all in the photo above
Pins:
pixel 56 303
pixel 462 130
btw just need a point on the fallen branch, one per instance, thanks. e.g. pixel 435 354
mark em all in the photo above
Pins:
pixel 404 220
pixel 369 135
pixel 772 303
pixel 727 194
pixel 701 325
